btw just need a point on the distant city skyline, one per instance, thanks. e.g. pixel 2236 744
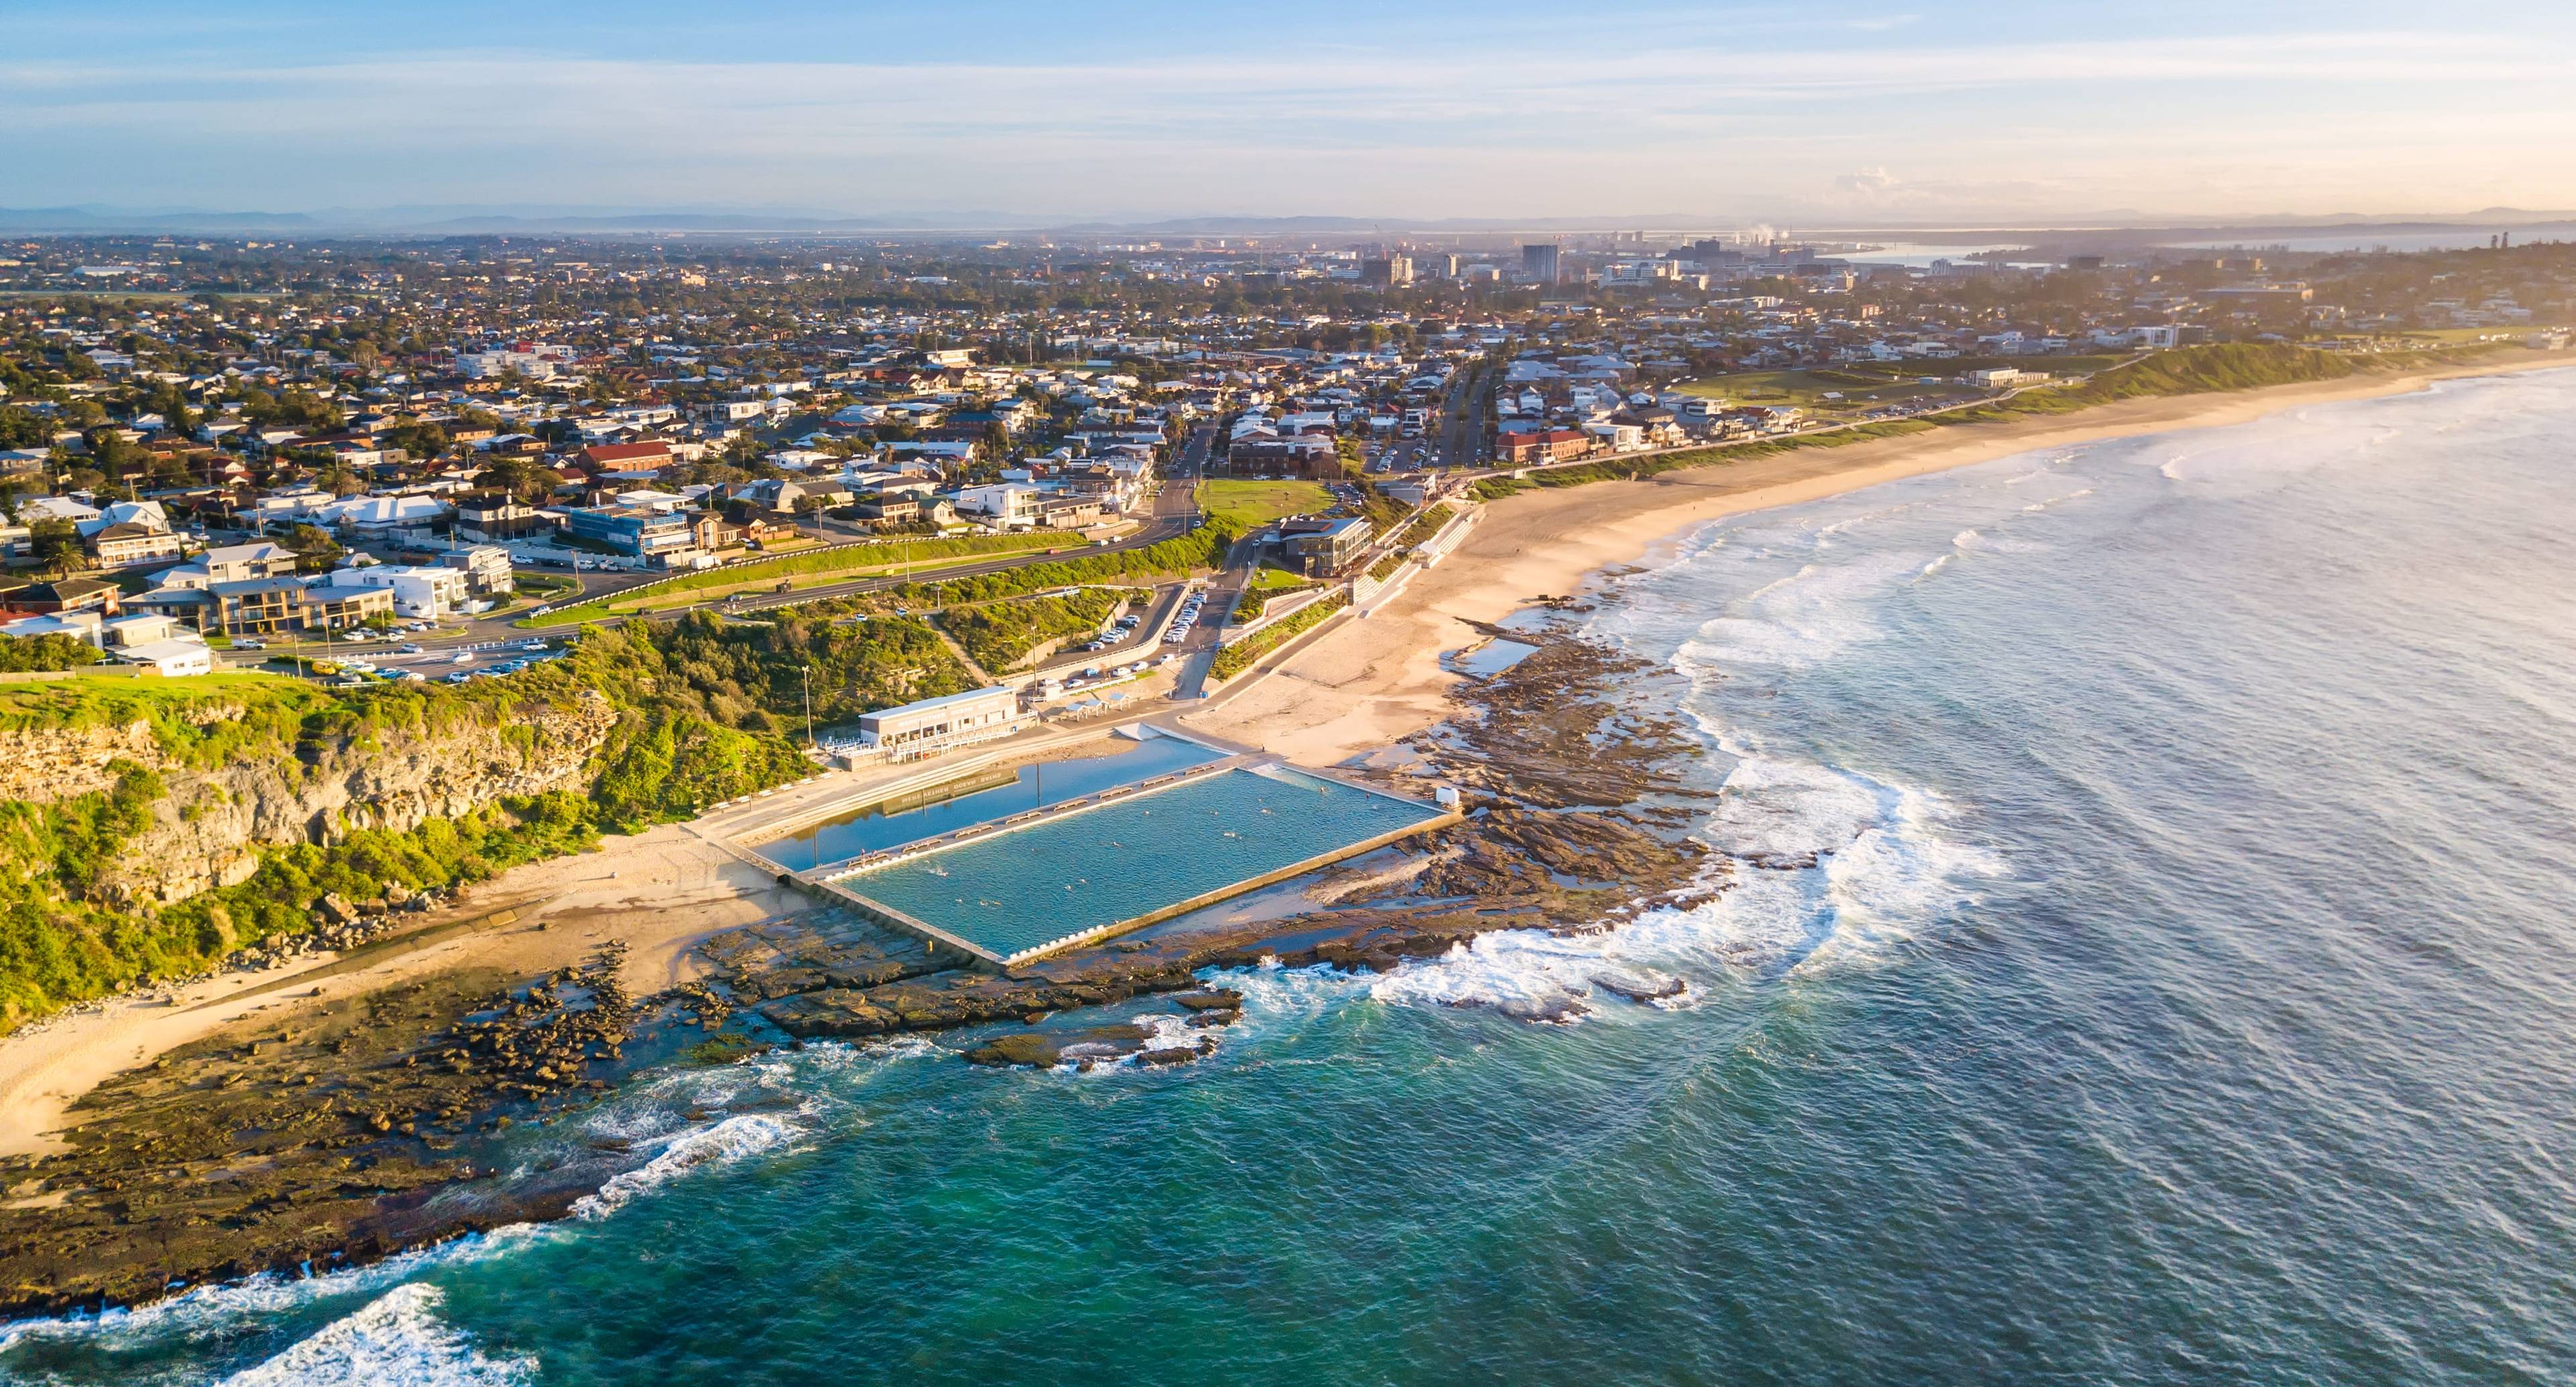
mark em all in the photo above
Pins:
pixel 1824 114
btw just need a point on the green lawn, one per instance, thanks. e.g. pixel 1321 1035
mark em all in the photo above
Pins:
pixel 1269 578
pixel 1250 503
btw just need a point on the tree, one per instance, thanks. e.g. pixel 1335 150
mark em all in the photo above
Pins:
pixel 51 651
pixel 315 550
pixel 56 545
pixel 22 428
pixel 418 440
pixel 523 479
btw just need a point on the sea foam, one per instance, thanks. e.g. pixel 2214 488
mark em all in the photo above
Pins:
pixel 397 1340
pixel 727 1141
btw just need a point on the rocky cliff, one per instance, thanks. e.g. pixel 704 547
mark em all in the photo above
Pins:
pixel 42 765
pixel 207 831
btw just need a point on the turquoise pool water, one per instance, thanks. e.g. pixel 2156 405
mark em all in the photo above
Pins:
pixel 1054 782
pixel 1022 888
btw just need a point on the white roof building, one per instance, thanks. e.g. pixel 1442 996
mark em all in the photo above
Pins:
pixel 56 508
pixel 381 512
pixel 171 658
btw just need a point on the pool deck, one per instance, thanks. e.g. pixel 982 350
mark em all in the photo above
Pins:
pixel 829 878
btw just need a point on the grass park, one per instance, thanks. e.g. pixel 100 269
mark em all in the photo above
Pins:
pixel 1251 503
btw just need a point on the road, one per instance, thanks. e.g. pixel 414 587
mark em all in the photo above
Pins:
pixel 1462 430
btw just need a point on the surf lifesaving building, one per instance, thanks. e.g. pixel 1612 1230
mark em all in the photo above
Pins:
pixel 952 720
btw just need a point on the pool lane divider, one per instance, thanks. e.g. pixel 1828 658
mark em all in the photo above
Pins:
pixel 829 878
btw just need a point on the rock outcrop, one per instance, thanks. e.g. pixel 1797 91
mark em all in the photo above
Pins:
pixel 41 765
pixel 208 831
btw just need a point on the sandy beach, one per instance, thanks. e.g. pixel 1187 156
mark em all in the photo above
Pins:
pixel 1360 687
pixel 1376 681
pixel 660 891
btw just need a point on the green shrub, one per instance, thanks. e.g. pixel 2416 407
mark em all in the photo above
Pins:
pixel 47 652
pixel 1000 635
pixel 1243 654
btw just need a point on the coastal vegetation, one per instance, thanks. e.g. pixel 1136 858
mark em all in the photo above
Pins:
pixel 698 711
pixel 27 654
pixel 1002 635
pixel 1265 585
pixel 1425 525
pixel 1243 654
pixel 841 563
pixel 1201 548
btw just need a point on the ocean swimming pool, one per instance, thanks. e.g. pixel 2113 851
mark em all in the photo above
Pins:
pixel 876 827
pixel 1024 888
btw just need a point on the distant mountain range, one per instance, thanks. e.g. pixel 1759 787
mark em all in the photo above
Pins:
pixel 473 220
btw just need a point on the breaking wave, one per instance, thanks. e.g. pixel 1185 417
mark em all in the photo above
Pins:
pixel 725 1142
pixel 396 1341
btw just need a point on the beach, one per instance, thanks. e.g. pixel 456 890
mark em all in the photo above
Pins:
pixel 1370 683
pixel 1362 686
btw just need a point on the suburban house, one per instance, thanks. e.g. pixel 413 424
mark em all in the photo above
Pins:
pixel 129 542
pixel 265 606
pixel 171 658
pixel 628 457
pixel 1543 445
pixel 1009 505
pixel 497 517
pixel 640 531
pixel 418 591
pixel 61 595
pixel 230 564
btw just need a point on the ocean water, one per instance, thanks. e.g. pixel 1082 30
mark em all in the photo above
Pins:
pixel 2148 961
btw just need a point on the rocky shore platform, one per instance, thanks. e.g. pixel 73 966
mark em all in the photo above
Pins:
pixel 345 1131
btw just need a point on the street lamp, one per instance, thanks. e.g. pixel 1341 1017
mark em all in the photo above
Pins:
pixel 809 704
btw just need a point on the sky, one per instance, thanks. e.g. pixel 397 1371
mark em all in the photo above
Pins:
pixel 1826 113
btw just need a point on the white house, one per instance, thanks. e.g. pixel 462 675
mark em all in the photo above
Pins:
pixel 1008 505
pixel 171 658
pixel 80 624
pixel 144 628
pixel 381 514
pixel 418 591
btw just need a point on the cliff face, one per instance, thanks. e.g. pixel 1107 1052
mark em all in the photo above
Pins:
pixel 207 831
pixel 42 766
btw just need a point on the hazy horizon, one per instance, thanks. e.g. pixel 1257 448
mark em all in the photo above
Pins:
pixel 1833 115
